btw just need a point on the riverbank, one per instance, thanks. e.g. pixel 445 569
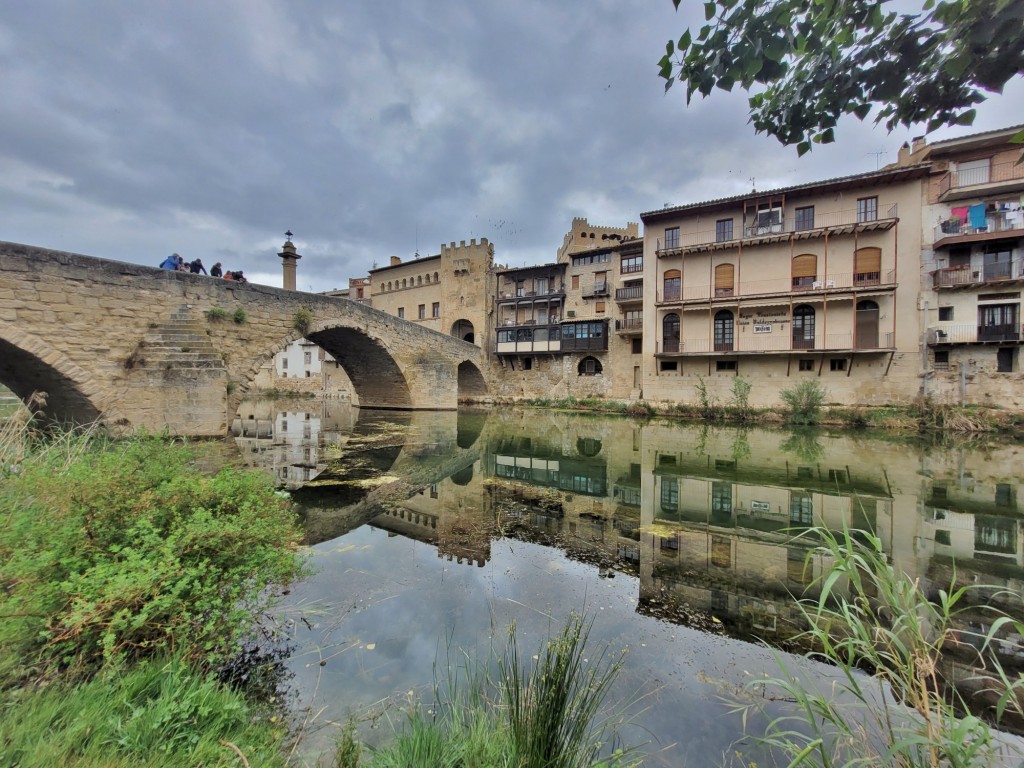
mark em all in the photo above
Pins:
pixel 133 585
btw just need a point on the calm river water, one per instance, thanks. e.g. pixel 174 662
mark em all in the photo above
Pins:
pixel 432 532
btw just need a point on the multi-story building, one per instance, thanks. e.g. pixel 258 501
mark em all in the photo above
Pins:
pixel 451 292
pixel 973 265
pixel 814 280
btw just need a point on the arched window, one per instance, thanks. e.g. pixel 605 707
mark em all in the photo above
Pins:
pixel 723 331
pixel 867 269
pixel 419 280
pixel 805 271
pixel 589 366
pixel 803 327
pixel 670 333
pixel 724 279
pixel 382 287
pixel 389 285
pixel 435 277
pixel 673 285
pixel 403 282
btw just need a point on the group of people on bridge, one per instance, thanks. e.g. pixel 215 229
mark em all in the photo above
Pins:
pixel 176 263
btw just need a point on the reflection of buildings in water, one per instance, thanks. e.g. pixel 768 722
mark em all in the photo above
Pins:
pixel 288 443
pixel 449 515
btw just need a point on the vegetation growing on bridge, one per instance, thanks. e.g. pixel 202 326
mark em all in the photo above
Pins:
pixel 303 320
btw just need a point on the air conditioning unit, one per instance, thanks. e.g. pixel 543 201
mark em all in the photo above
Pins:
pixel 571 313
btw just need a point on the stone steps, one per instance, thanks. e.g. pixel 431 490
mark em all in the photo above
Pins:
pixel 182 343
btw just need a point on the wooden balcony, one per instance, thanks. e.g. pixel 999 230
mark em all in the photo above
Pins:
pixel 629 294
pixel 832 284
pixel 631 327
pixel 777 344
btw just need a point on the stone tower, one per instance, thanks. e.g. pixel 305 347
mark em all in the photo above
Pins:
pixel 289 260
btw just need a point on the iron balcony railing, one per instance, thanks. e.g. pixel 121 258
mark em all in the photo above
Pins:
pixel 949 277
pixel 630 325
pixel 996 173
pixel 629 293
pixel 996 221
pixel 974 334
pixel 832 282
pixel 779 343
pixel 786 225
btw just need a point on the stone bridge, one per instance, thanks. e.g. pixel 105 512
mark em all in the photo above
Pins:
pixel 140 347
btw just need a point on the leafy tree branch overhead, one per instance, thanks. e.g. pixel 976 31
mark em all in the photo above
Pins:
pixel 807 63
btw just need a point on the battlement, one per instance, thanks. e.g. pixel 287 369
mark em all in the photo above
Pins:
pixel 584 236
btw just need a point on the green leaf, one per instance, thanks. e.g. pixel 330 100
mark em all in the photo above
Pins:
pixel 684 41
pixel 709 11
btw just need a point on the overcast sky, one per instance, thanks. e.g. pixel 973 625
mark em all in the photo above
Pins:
pixel 129 130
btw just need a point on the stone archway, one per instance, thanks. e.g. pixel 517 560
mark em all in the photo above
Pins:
pixel 377 380
pixel 471 381
pixel 463 329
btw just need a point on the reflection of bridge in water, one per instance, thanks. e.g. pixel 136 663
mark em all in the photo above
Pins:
pixel 704 519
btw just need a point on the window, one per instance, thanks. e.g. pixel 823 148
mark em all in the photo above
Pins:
pixel 1004 360
pixel 806 365
pixel 867 268
pixel 867 209
pixel 942 360
pixel 723 230
pixel 673 285
pixel 725 365
pixel 803 328
pixel 998 263
pixel 589 366
pixel 284 363
pixel 669 494
pixel 801 508
pixel 837 364
pixel 631 264
pixel 804 271
pixel 600 282
pixel 723 331
pixel 599 306
pixel 527 363
pixel 804 218
pixel 670 333
pixel 575 282
pixel 638 346
pixel 590 258
pixel 672 237
pixel 633 318
pixel 668 365
pixel 945 313
pixel 721 498
pixel 943 538
pixel 435 309
pixel 998 322
pixel 973 172
pixel 401 312
pixel 1006 495
pixel 724 275
pixel 307 357
pixel 768 219
pixel 421 311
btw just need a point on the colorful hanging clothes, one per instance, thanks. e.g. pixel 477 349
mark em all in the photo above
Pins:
pixel 976 215
pixel 959 212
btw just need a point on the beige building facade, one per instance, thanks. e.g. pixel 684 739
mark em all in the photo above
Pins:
pixel 812 281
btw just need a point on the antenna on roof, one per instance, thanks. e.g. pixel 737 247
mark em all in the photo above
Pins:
pixel 878 157
pixel 416 254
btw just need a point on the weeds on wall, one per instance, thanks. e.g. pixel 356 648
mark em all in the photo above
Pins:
pixel 215 314
pixel 239 316
pixel 302 321
pixel 804 401
pixel 739 402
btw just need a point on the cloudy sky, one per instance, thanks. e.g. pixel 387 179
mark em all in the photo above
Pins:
pixel 370 129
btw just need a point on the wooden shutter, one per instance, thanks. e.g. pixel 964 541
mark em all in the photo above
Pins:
pixel 805 265
pixel 724 277
pixel 868 260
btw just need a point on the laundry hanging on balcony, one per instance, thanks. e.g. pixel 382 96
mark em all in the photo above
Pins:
pixel 977 216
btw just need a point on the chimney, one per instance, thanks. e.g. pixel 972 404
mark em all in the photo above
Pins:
pixel 289 259
pixel 395 261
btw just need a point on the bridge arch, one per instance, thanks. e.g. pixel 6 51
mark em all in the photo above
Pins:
pixel 471 380
pixel 29 366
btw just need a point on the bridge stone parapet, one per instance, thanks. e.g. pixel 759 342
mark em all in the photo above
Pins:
pixel 143 347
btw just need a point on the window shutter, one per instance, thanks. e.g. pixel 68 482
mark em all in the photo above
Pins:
pixel 723 276
pixel 868 260
pixel 805 265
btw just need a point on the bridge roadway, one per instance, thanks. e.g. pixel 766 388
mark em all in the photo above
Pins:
pixel 140 347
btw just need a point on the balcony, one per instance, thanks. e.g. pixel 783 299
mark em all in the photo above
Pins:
pixel 629 327
pixel 527 338
pixel 629 293
pixel 790 227
pixel 957 277
pixel 974 334
pixel 782 343
pixel 524 295
pixel 998 177
pixel 998 225
pixel 597 289
pixel 831 284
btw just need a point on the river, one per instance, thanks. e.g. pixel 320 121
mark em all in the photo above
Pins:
pixel 431 533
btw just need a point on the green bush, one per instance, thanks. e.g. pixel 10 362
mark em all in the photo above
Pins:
pixel 804 401
pixel 216 313
pixel 303 320
pixel 739 403
pixel 128 551
pixel 239 316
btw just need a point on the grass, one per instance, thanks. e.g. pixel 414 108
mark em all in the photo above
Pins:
pixel 544 712
pixel 885 637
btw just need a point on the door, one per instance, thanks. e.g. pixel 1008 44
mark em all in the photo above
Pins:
pixel 867 325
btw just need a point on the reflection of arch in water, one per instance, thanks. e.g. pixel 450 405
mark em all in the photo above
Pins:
pixel 588 446
pixel 464 476
pixel 469 426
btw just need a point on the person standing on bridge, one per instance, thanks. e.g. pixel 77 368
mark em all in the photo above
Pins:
pixel 196 267
pixel 171 262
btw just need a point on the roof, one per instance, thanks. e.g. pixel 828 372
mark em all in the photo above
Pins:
pixel 973 140
pixel 883 176
pixel 404 263
pixel 549 266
